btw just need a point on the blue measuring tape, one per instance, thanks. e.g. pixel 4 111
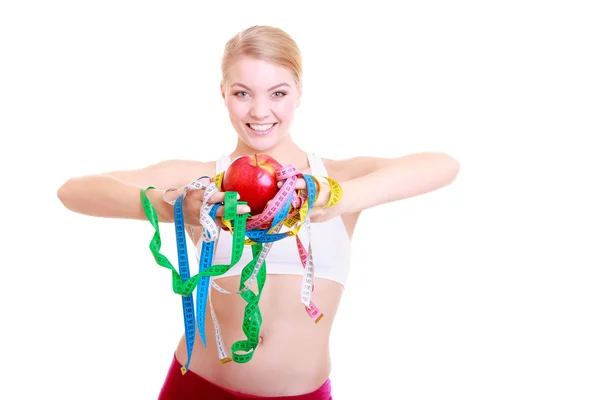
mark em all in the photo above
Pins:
pixel 205 262
pixel 262 235
pixel 203 283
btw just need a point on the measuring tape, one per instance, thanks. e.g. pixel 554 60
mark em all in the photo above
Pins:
pixel 290 208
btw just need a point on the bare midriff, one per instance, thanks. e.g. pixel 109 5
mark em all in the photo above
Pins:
pixel 292 356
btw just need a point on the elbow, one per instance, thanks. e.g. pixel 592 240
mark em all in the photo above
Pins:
pixel 453 167
pixel 444 167
pixel 65 193
pixel 62 192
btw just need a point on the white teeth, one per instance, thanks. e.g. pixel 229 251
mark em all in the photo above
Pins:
pixel 261 128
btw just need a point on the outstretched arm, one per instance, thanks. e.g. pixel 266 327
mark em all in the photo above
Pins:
pixel 117 194
pixel 371 181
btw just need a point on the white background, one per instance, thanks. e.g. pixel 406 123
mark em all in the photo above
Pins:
pixel 486 289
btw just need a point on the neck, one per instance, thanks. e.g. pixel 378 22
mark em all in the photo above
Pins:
pixel 286 152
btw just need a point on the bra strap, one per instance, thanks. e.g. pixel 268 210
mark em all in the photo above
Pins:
pixel 316 164
pixel 222 163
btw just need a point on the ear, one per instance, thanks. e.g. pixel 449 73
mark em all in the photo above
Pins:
pixel 223 90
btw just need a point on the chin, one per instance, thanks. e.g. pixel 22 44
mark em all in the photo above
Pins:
pixel 261 145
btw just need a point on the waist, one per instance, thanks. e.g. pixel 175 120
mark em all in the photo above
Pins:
pixel 293 350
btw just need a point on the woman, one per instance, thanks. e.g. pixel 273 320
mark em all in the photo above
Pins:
pixel 262 87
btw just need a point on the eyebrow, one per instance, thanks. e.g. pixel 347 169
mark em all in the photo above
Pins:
pixel 268 90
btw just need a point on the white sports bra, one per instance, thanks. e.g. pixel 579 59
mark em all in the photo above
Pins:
pixel 331 245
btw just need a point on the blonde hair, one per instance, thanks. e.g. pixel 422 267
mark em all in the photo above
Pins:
pixel 265 43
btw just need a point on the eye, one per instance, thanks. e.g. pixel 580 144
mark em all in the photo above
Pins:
pixel 279 94
pixel 241 94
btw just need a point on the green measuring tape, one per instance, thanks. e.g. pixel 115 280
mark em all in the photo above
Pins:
pixel 263 233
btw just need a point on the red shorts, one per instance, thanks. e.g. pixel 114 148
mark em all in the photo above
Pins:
pixel 192 386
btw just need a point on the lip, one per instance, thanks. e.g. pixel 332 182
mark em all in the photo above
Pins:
pixel 263 133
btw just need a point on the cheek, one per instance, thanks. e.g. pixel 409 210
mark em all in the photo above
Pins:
pixel 237 109
pixel 285 109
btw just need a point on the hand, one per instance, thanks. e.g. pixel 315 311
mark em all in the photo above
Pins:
pixel 193 202
pixel 319 213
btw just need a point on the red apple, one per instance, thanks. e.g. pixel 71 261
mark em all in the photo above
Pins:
pixel 253 178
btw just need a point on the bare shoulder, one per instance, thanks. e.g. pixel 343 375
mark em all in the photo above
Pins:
pixel 173 173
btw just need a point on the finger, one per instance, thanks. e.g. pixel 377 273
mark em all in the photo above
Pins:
pixel 196 194
pixel 300 184
pixel 241 209
pixel 218 197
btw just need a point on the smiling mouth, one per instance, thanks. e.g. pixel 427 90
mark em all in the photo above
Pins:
pixel 261 129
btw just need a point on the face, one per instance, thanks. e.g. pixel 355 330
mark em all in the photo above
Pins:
pixel 261 99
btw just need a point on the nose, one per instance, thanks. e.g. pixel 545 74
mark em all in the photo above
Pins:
pixel 260 108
